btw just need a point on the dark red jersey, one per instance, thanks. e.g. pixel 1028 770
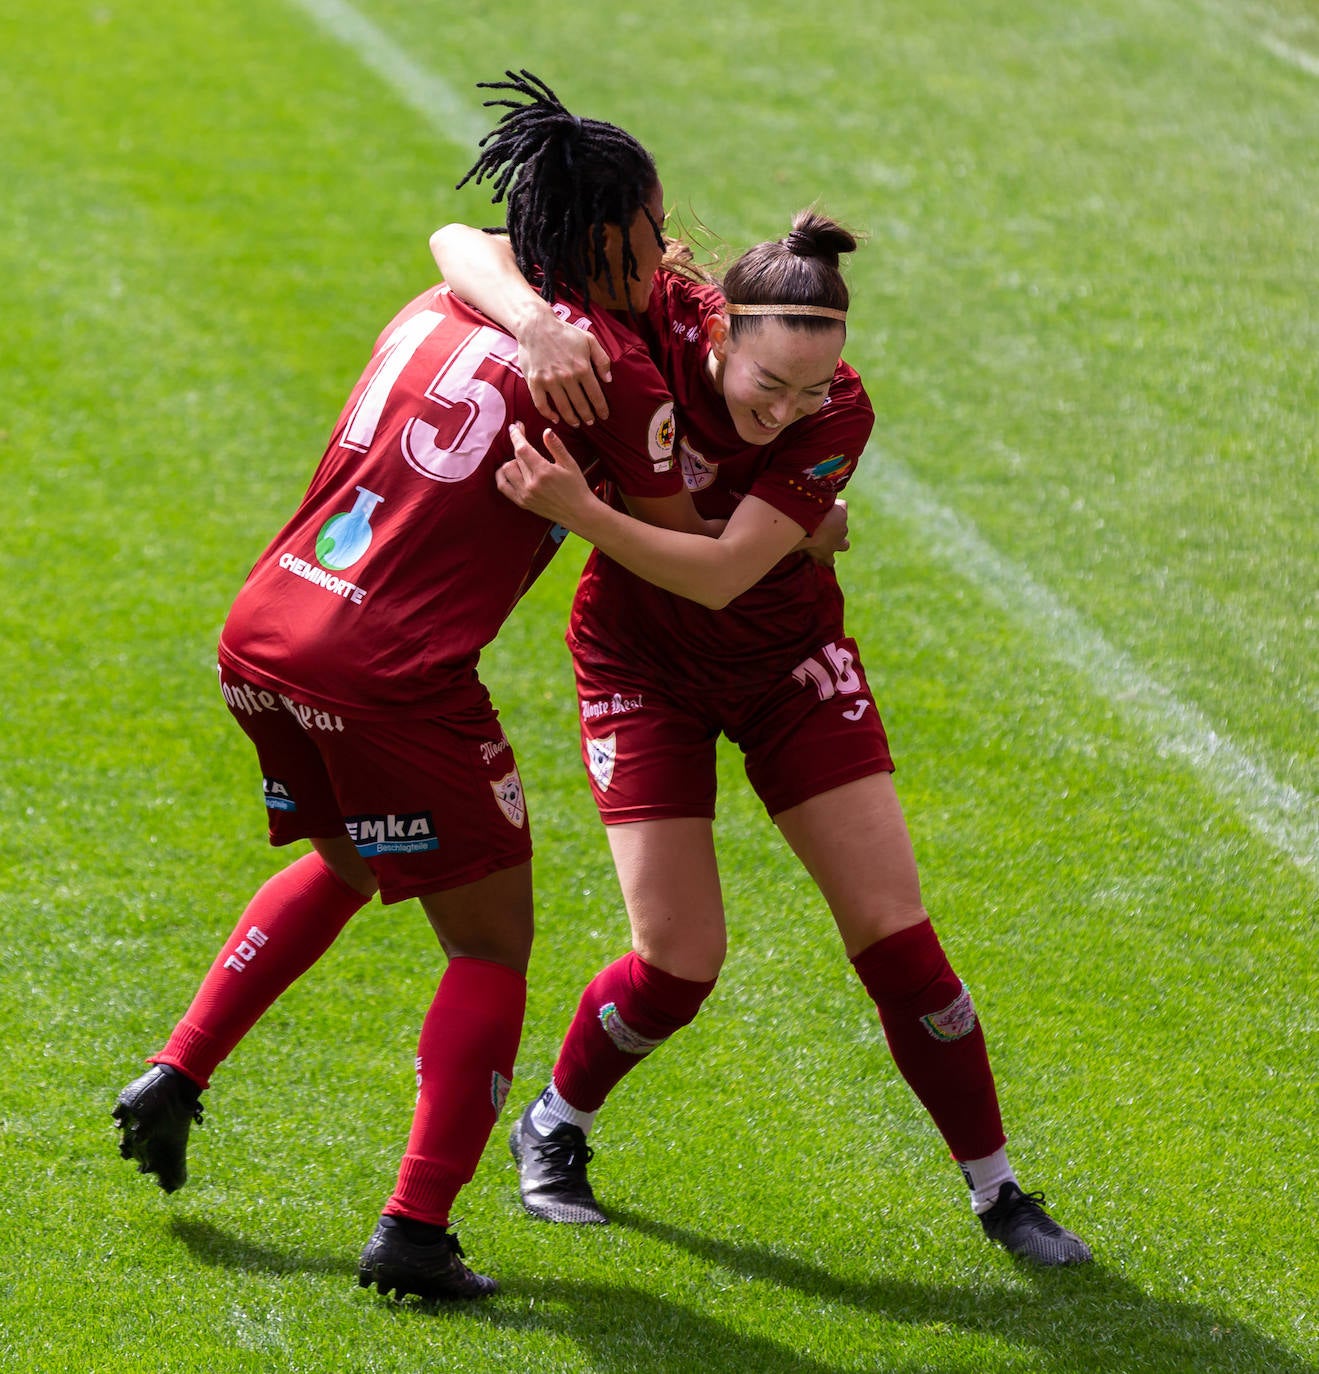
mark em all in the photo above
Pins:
pixel 403 559
pixel 797 605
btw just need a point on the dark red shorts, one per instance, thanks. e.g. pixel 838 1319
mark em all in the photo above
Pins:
pixel 431 802
pixel 651 753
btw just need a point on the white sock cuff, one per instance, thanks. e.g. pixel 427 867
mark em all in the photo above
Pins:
pixel 985 1177
pixel 551 1110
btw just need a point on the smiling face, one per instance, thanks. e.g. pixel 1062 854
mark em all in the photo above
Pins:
pixel 646 241
pixel 771 376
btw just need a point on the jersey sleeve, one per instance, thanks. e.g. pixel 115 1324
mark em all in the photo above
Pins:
pixel 636 444
pixel 815 460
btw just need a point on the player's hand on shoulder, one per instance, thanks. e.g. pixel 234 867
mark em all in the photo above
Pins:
pixel 564 367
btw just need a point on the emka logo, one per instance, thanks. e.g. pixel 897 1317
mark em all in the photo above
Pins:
pixel 393 833
pixel 277 795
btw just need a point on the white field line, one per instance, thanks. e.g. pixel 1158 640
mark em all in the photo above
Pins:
pixel 1280 813
pixel 450 115
pixel 1286 817
pixel 1298 57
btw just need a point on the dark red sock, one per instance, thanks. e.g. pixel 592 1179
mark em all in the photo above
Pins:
pixel 293 919
pixel 625 1012
pixel 469 1041
pixel 935 1037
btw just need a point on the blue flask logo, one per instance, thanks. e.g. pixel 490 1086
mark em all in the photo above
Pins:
pixel 345 538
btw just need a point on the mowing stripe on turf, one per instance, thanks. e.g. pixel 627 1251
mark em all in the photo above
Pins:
pixel 1282 814
pixel 1298 57
pixel 450 115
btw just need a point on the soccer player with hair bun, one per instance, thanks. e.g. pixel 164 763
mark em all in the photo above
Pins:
pixel 679 638
pixel 350 660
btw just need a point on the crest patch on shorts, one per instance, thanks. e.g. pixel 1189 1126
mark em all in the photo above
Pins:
pixel 957 1019
pixel 508 793
pixel 600 756
pixel 623 1036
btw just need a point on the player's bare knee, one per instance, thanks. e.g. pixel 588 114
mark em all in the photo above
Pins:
pixel 340 856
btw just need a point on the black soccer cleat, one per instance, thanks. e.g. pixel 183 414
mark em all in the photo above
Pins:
pixel 155 1113
pixel 431 1270
pixel 1019 1223
pixel 552 1173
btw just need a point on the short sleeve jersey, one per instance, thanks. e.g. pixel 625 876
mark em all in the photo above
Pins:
pixel 404 559
pixel 797 605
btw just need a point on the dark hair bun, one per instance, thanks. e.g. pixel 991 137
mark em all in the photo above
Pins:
pixel 814 235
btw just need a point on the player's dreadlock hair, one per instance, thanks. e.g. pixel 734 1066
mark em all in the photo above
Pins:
pixel 566 178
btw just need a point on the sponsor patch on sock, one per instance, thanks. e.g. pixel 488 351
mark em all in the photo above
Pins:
pixel 957 1019
pixel 623 1036
pixel 499 1090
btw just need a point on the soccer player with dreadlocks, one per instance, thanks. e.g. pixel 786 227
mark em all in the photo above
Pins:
pixel 350 660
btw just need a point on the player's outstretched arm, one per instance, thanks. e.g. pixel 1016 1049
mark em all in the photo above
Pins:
pixel 563 365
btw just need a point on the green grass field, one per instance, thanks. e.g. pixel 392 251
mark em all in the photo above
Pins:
pixel 1084 576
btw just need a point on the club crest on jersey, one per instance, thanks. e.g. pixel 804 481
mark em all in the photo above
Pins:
pixel 508 793
pixel 957 1019
pixel 600 756
pixel 697 474
pixel 659 437
pixel 831 472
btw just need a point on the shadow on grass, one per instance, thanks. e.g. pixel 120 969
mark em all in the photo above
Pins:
pixel 1082 1319
pixel 617 1327
pixel 1086 1319
pixel 212 1245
